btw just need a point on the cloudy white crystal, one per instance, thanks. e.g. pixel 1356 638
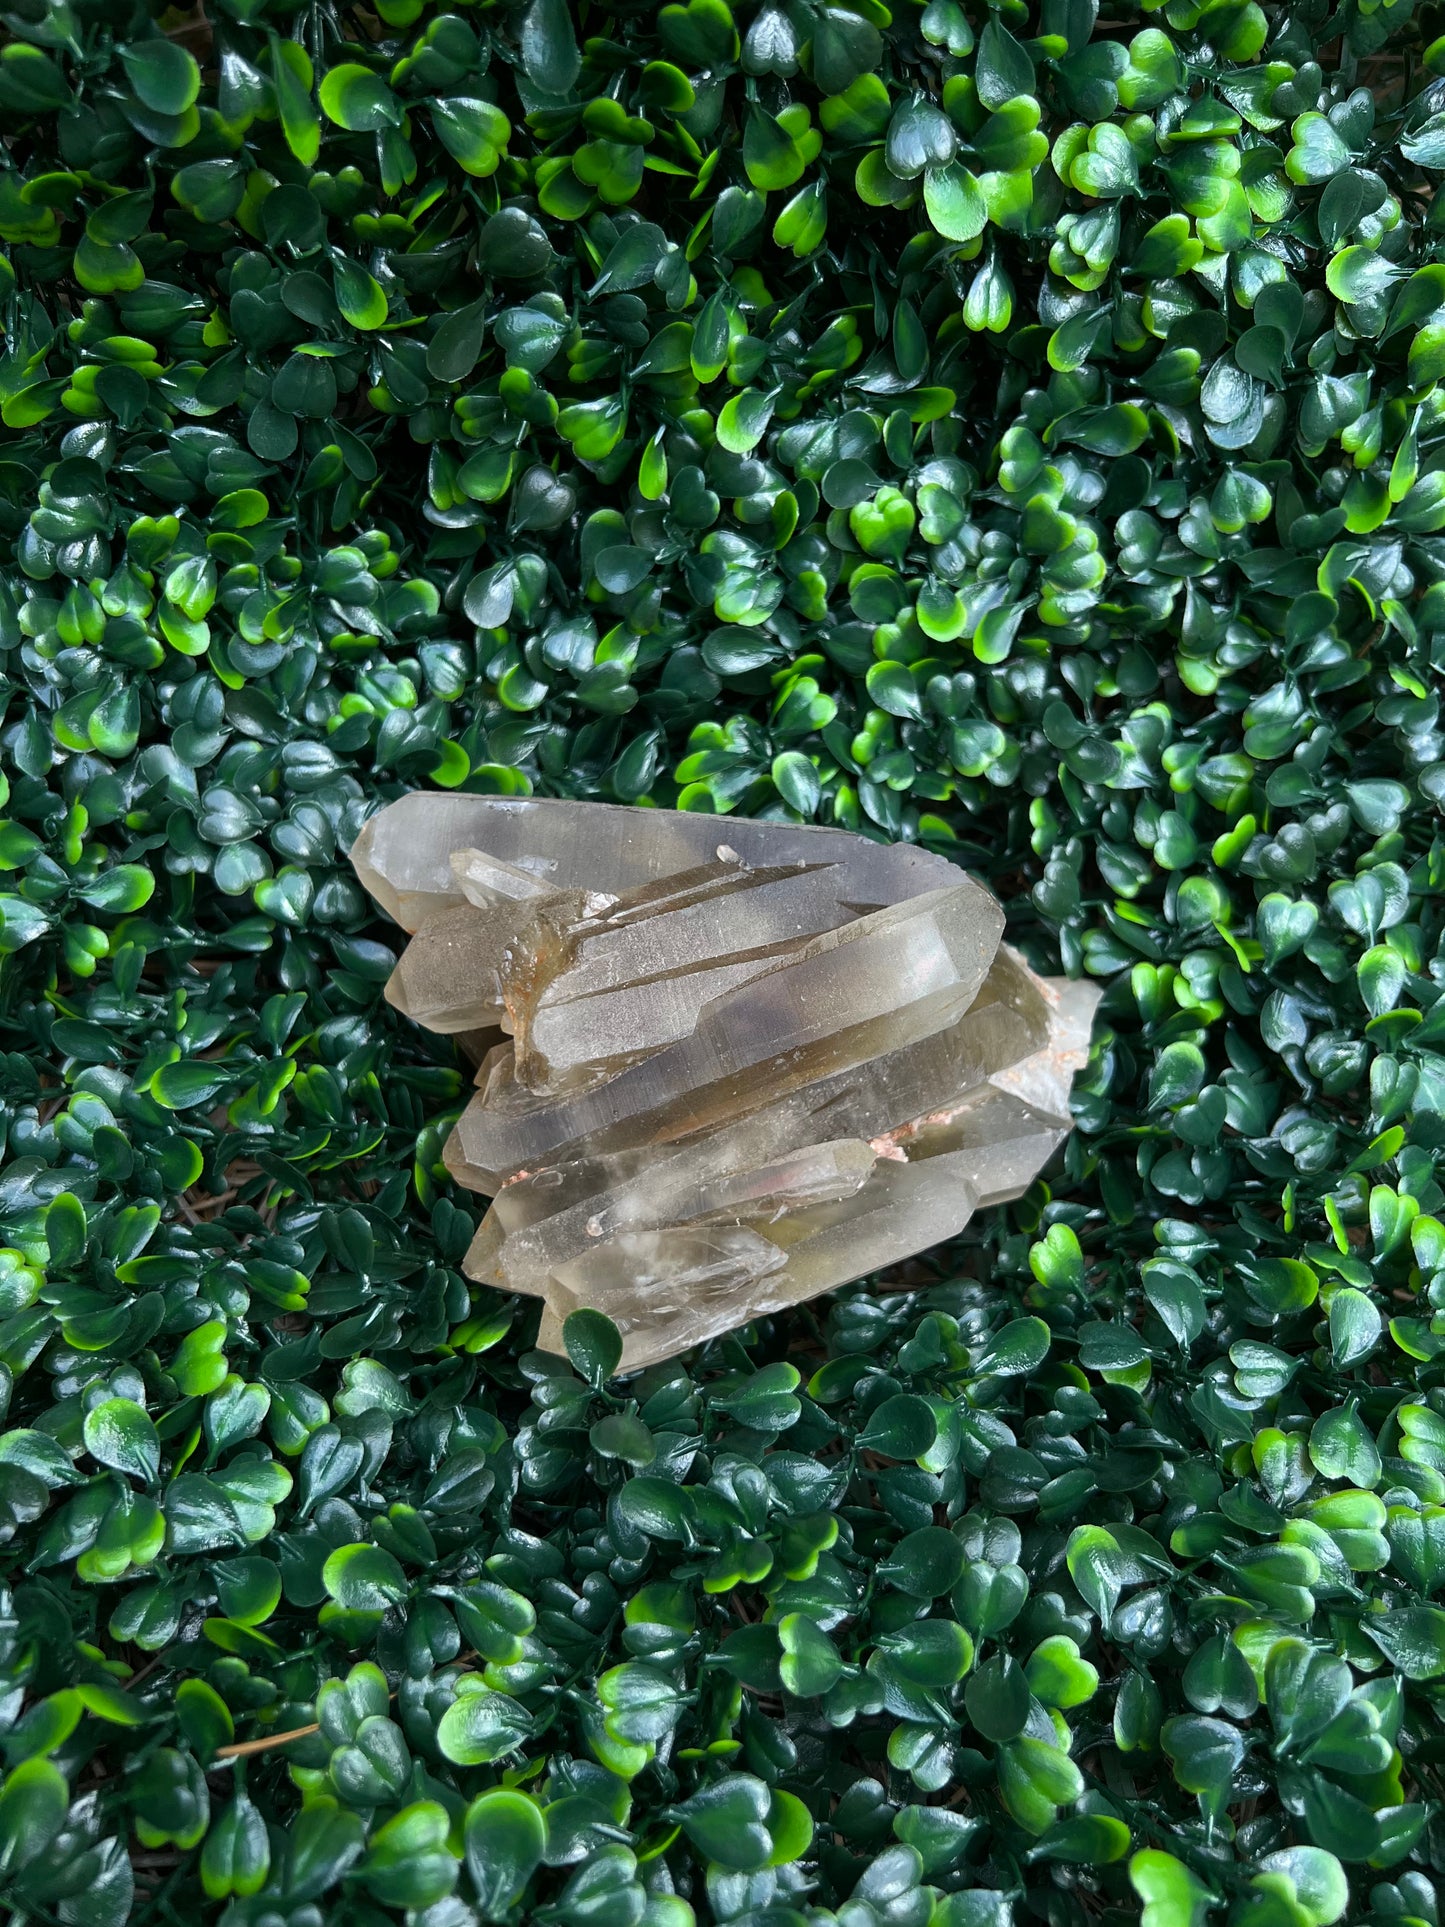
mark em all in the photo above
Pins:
pixel 731 1074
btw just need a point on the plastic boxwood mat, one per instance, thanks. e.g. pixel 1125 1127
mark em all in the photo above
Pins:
pixel 1006 427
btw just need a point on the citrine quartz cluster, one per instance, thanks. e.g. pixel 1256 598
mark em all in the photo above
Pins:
pixel 724 1065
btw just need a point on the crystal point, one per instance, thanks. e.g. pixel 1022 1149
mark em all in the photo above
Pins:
pixel 736 1067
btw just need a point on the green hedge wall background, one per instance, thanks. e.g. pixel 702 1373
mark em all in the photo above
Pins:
pixel 1012 429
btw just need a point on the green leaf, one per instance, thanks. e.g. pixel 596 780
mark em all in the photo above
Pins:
pixel 165 77
pixel 955 202
pixel 66 1230
pixel 810 1664
pixel 902 1427
pixel 458 342
pixel 325 1842
pixel 293 77
pixel 1316 1879
pixel 726 1820
pixel 34 1803
pixel 514 246
pixel 236 1855
pixel 205 1719
pixel 920 136
pixel 474 132
pixel 481 1726
pixel 505 1840
pixel 360 297
pixel 743 421
pixel 700 34
pixel 357 99
pixel 883 525
pixel 1035 1780
pixel 1058 1674
pixel 790 1828
pixel 770 155
pixel 620 1436
pixel 1317 153
pixel 410 1863
pixel 594 1345
pixel 1357 275
pixel 1003 71
pixel 1381 975
pixel 1172 1896
pixel 1088 1840
pixel 1355 1327
pixel 925 1563
pixel 1412 1638
pixel 364 1578
pixel 549 46
pixel 803 222
pixel 1205 1753
pixel 1057 1262
pixel 1018 1349
pixel 1167 249
pixel 120 1434
pixel 199 1365
pixel 1106 168
pixel 997 1699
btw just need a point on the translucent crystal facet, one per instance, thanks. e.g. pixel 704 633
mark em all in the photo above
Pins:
pixel 739 1063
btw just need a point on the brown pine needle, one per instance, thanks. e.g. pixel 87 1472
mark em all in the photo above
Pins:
pixel 243 1749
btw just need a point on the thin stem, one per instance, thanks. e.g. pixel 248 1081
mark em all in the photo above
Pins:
pixel 243 1749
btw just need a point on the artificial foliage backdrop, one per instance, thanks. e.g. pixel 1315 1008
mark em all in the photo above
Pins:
pixel 1003 427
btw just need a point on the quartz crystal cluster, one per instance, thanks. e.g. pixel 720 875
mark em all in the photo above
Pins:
pixel 724 1064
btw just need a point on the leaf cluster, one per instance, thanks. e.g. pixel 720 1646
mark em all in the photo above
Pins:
pixel 1014 428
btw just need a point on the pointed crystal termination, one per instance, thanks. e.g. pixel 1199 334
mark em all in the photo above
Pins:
pixel 739 1063
pixel 599 991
